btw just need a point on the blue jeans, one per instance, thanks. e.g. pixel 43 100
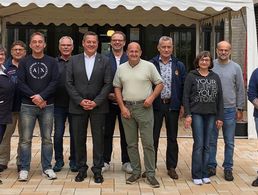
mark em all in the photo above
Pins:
pixel 28 115
pixel 60 116
pixel 228 130
pixel 202 125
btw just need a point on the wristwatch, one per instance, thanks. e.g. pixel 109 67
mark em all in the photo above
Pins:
pixel 240 109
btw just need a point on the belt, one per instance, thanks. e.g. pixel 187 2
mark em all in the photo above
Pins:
pixel 166 100
pixel 134 102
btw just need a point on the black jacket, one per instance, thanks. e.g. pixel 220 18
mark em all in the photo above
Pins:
pixel 96 88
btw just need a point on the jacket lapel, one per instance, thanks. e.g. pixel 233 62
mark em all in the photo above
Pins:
pixel 81 64
pixel 97 61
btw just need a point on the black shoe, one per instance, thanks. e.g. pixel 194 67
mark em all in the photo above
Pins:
pixel 228 175
pixel 73 166
pixel 73 169
pixel 211 171
pixel 255 182
pixel 18 168
pixel 132 179
pixel 58 166
pixel 2 167
pixel 153 181
pixel 144 175
pixel 81 176
pixel 98 178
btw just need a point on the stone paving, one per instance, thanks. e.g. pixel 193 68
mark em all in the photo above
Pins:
pixel 245 167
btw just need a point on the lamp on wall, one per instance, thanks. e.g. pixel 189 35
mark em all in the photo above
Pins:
pixel 110 33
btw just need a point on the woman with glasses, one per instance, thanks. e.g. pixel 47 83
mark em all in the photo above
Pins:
pixel 203 103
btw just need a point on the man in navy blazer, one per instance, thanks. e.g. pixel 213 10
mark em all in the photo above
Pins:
pixel 168 104
pixel 116 56
pixel 88 82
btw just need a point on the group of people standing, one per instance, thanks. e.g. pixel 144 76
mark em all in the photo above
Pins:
pixel 97 88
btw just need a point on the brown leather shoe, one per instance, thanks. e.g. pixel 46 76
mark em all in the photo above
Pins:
pixel 172 173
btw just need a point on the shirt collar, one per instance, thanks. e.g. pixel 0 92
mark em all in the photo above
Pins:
pixel 2 70
pixel 93 56
pixel 60 59
pixel 170 60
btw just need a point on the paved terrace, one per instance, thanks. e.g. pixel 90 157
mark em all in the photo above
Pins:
pixel 245 159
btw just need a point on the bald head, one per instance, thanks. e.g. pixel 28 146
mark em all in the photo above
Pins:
pixel 223 52
pixel 134 45
pixel 224 44
pixel 134 53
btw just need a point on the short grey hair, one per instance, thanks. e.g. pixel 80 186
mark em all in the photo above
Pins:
pixel 65 37
pixel 165 38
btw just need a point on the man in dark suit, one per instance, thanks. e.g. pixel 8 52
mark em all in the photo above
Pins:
pixel 88 82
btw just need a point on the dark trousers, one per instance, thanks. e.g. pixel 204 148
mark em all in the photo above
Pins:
pixel 2 131
pixel 171 121
pixel 60 116
pixel 114 112
pixel 79 125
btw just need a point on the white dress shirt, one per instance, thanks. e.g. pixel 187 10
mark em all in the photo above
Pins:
pixel 89 64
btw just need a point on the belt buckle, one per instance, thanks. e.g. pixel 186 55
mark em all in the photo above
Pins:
pixel 165 101
pixel 133 102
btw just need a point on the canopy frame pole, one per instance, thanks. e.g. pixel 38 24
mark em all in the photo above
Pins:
pixel 230 27
pixel 213 38
pixel 198 38
pixel 1 28
pixel 252 60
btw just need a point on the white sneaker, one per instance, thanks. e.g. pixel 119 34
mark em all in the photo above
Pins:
pixel 50 174
pixel 126 167
pixel 197 181
pixel 206 180
pixel 106 167
pixel 23 175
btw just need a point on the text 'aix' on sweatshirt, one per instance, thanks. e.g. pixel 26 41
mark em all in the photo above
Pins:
pixel 38 76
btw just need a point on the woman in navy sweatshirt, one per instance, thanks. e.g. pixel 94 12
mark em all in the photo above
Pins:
pixel 6 96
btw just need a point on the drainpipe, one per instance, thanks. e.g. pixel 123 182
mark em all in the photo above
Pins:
pixel 1 19
pixel 3 31
pixel 213 38
pixel 197 37
pixel 230 27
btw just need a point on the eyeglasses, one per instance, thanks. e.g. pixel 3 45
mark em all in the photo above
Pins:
pixel 117 40
pixel 20 49
pixel 205 60
pixel 223 50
